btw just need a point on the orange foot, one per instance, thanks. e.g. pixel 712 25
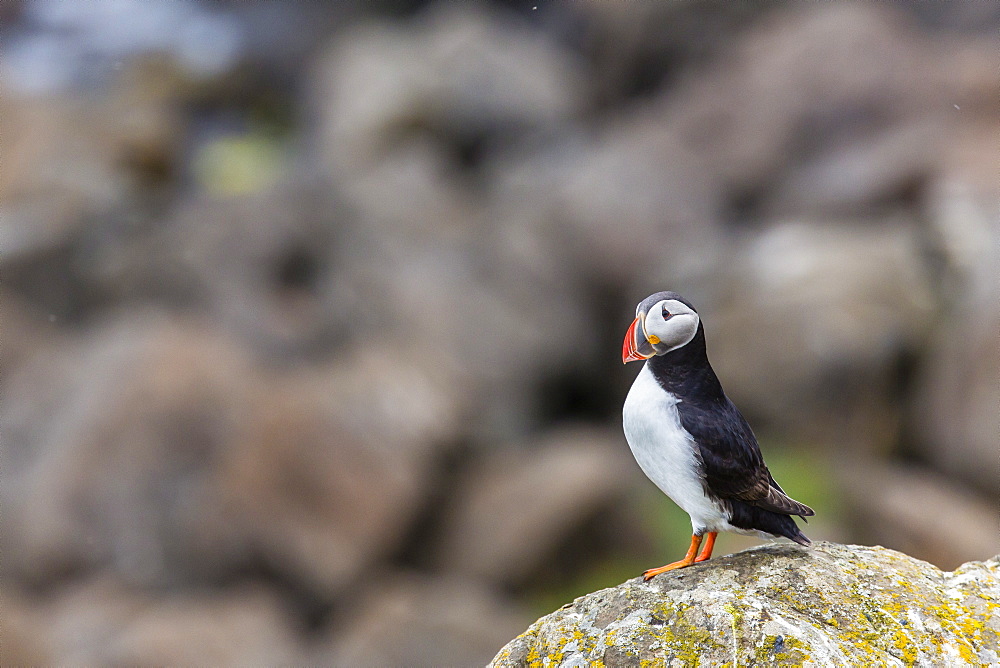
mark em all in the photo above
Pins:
pixel 689 558
pixel 706 549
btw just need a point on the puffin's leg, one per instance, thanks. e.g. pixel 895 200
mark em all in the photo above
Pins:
pixel 706 550
pixel 686 561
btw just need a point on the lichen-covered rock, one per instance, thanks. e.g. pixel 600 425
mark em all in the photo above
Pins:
pixel 780 604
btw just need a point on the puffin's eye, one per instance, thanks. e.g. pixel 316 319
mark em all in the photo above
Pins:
pixel 666 314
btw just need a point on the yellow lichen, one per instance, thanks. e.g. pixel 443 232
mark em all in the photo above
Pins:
pixel 782 651
pixel 907 649
pixel 680 638
pixel 533 657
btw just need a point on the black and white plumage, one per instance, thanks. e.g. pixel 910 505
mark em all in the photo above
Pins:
pixel 690 439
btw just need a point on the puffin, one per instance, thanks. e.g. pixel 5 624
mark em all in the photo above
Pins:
pixel 691 440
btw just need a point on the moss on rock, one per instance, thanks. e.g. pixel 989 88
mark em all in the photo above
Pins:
pixel 779 604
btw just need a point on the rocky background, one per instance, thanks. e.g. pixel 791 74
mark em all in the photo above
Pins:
pixel 312 313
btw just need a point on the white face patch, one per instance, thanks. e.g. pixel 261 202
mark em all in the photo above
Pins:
pixel 670 324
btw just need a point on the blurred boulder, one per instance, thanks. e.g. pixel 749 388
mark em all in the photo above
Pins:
pixel 448 306
pixel 813 108
pixel 813 327
pixel 954 412
pixel 86 177
pixel 102 622
pixel 26 331
pixel 60 172
pixel 456 74
pixel 26 641
pixel 60 166
pixel 108 444
pixel 423 621
pixel 863 173
pixel 629 206
pixel 514 509
pixel 924 513
pixel 975 84
pixel 958 17
pixel 266 266
pixel 409 116
pixel 150 129
pixel 161 451
pixel 635 50
pixel 337 467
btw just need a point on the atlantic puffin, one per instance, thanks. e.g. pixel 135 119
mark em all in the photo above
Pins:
pixel 689 438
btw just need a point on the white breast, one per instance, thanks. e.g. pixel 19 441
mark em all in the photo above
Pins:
pixel 666 452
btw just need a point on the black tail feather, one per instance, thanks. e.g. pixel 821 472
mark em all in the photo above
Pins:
pixel 746 516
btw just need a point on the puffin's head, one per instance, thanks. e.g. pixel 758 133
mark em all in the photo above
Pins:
pixel 663 322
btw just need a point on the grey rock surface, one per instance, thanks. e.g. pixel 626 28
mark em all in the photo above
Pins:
pixel 831 605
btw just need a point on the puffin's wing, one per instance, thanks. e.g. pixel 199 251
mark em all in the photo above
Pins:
pixel 731 461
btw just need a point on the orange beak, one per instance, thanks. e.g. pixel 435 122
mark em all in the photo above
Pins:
pixel 634 350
